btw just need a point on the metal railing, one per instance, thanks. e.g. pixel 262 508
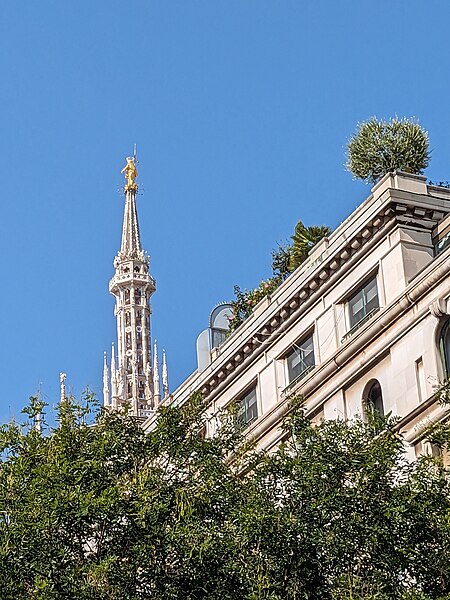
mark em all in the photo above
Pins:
pixel 295 381
pixel 359 324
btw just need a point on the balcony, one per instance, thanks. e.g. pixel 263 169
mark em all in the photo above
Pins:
pixel 288 390
pixel 360 324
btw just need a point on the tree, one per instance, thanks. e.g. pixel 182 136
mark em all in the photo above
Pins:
pixel 378 522
pixel 303 240
pixel 379 147
pixel 246 300
pixel 107 512
pixel 281 261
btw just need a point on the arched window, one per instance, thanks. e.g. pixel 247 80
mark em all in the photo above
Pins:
pixel 373 397
pixel 445 348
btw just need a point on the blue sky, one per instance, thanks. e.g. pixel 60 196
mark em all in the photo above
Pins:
pixel 241 110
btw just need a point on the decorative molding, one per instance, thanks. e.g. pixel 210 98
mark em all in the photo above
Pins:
pixel 439 308
pixel 393 213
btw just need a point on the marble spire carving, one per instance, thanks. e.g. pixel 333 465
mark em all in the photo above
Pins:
pixel 132 376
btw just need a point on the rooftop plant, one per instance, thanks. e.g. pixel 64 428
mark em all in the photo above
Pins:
pixel 303 240
pixel 378 147
pixel 285 259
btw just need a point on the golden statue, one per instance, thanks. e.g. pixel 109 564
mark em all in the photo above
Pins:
pixel 130 174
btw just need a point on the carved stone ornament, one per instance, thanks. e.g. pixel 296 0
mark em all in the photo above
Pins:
pixel 439 308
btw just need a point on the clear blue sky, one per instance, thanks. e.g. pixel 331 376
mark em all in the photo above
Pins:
pixel 241 110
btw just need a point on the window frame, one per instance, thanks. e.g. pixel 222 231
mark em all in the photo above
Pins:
pixel 239 402
pixel 357 291
pixel 292 349
pixel 345 301
pixel 443 350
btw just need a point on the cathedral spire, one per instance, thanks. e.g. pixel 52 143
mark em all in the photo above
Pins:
pixel 165 376
pixel 105 381
pixel 132 287
pixel 156 384
pixel 131 239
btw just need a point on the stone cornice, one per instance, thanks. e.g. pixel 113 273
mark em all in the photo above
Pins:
pixel 388 206
pixel 321 274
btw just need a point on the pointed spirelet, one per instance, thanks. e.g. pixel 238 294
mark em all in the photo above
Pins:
pixel 38 422
pixel 149 387
pixel 62 382
pixel 106 397
pixel 165 376
pixel 39 415
pixel 156 385
pixel 113 376
pixel 131 239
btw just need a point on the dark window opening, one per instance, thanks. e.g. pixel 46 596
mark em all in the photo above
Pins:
pixel 363 302
pixel 374 399
pixel 445 348
pixel 247 408
pixel 301 358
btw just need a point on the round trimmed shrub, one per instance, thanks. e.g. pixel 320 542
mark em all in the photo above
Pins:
pixel 378 147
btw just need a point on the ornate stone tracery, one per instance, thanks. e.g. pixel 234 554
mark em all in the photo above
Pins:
pixel 132 377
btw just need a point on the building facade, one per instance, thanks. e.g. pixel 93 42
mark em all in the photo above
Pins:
pixel 363 322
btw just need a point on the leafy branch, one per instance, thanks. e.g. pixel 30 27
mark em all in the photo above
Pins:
pixel 285 259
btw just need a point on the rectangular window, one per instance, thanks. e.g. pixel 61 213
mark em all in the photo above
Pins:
pixel 363 303
pixel 218 336
pixel 301 358
pixel 420 379
pixel 247 408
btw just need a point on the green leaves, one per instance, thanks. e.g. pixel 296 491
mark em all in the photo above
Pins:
pixel 107 512
pixel 246 300
pixel 304 239
pixel 379 147
pixel 284 260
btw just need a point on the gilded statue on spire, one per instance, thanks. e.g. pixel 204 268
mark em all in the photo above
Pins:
pixel 130 174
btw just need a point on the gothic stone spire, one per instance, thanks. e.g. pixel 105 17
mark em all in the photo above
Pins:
pixel 132 287
pixel 106 389
pixel 165 376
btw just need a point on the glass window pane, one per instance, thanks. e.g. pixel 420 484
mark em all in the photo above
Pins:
pixel 248 408
pixel 252 407
pixel 218 337
pixel 372 304
pixel 357 305
pixel 363 302
pixel 375 399
pixel 301 358
pixel 371 290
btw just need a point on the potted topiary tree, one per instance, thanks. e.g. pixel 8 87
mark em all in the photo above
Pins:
pixel 378 147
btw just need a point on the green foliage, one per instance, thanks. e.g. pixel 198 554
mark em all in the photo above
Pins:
pixel 379 147
pixel 285 259
pixel 246 300
pixel 439 433
pixel 107 512
pixel 303 240
pixel 281 261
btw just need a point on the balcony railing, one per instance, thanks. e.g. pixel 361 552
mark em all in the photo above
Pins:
pixel 293 384
pixel 359 324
